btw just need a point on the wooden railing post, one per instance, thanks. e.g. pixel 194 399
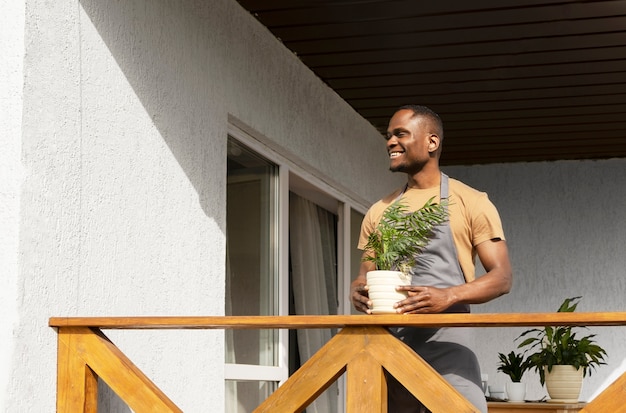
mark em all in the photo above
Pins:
pixel 77 384
pixel 366 388
pixel 364 352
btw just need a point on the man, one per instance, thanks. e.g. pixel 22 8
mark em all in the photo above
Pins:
pixel 443 279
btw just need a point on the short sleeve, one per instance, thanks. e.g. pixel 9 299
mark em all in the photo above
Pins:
pixel 485 221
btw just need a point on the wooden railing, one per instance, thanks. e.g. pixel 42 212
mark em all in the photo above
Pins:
pixel 362 349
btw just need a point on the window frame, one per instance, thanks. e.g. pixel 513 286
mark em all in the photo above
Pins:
pixel 297 176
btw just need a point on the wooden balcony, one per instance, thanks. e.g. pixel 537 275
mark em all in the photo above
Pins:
pixel 362 349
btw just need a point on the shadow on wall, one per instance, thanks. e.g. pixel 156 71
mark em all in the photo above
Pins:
pixel 167 56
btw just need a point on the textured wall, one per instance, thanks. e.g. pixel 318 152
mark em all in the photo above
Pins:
pixel 126 108
pixel 11 175
pixel 565 224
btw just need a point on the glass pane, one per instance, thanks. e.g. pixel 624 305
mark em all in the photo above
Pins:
pixel 251 259
pixel 245 396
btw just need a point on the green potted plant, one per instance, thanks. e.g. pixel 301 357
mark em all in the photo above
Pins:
pixel 401 235
pixel 555 350
pixel 514 365
pixel 394 246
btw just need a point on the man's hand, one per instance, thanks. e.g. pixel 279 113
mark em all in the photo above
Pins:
pixel 424 300
pixel 360 298
pixel 358 289
pixel 495 282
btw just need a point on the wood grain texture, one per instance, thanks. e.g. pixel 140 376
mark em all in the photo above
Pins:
pixel 77 387
pixel 366 386
pixel 366 351
pixel 82 347
pixel 506 407
pixel 312 378
pixel 415 374
pixel 314 321
pixel 363 348
pixel 612 399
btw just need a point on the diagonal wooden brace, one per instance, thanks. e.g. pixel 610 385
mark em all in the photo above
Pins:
pixel 610 400
pixel 364 352
pixel 83 356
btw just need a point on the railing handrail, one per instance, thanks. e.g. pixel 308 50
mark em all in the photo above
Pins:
pixel 335 321
pixel 364 349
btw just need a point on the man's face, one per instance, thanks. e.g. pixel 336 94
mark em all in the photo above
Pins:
pixel 408 141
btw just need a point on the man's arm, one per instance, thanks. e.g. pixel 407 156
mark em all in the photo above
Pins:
pixel 497 281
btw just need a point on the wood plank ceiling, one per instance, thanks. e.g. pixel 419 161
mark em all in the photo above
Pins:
pixel 513 80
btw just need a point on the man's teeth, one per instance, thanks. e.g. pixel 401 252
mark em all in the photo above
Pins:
pixel 395 154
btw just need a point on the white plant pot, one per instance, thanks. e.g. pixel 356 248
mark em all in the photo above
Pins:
pixel 382 290
pixel 564 383
pixel 516 392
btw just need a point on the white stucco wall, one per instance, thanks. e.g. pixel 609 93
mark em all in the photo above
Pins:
pixel 11 175
pixel 565 224
pixel 123 144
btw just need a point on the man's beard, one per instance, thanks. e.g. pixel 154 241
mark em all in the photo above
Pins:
pixel 398 168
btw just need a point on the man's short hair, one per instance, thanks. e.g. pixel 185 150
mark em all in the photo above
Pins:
pixel 419 110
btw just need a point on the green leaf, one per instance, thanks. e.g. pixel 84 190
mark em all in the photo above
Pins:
pixel 554 345
pixel 513 365
pixel 401 235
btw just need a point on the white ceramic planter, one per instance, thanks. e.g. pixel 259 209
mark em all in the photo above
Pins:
pixel 516 392
pixel 382 290
pixel 564 383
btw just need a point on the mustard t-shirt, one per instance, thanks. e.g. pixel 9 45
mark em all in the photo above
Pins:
pixel 473 218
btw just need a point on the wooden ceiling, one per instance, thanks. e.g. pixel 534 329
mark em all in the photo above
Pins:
pixel 513 80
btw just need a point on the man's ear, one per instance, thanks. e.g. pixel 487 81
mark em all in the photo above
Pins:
pixel 433 143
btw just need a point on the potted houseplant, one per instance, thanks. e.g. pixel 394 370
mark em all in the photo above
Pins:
pixel 557 351
pixel 394 246
pixel 514 365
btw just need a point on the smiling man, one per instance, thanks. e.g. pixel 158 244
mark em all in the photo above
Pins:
pixel 443 279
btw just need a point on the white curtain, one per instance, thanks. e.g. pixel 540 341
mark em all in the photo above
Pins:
pixel 314 279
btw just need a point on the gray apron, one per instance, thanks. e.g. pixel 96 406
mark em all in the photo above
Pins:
pixel 446 349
